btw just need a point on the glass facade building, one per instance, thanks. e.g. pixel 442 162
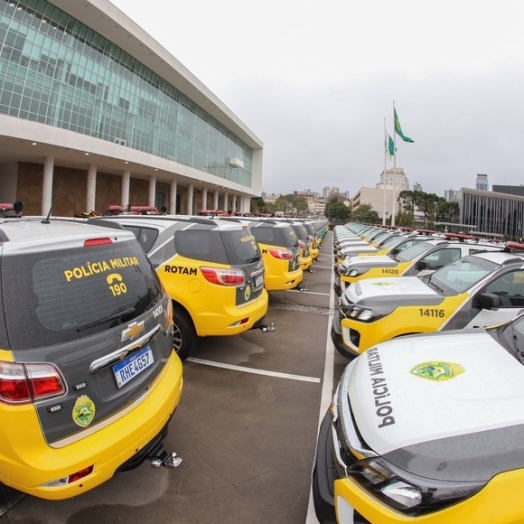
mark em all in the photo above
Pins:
pixel 57 71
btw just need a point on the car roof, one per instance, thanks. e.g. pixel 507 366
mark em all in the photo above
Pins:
pixel 165 221
pixel 500 257
pixel 40 233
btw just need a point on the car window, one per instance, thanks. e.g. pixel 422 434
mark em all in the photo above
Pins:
pixel 242 248
pixel 510 288
pixel 201 244
pixel 442 257
pixel 146 236
pixel 275 236
pixel 413 251
pixel 54 296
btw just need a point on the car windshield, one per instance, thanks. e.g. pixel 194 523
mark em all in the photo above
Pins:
pixel 390 242
pixel 412 252
pixel 462 274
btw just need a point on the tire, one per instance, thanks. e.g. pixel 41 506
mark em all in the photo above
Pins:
pixel 184 336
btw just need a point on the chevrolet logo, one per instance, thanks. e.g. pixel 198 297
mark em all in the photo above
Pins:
pixel 134 330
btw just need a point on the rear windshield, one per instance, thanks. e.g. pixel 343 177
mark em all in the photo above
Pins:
pixel 275 236
pixel 301 232
pixel 235 247
pixel 59 296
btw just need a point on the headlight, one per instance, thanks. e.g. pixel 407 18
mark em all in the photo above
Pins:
pixel 352 272
pixel 362 313
pixel 411 494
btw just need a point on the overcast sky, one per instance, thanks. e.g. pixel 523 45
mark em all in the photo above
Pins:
pixel 315 79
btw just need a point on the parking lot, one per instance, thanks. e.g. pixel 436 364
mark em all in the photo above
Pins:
pixel 245 429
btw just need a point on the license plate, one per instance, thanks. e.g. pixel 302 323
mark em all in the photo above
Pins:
pixel 259 280
pixel 132 366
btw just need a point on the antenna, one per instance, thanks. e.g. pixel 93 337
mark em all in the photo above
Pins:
pixel 46 219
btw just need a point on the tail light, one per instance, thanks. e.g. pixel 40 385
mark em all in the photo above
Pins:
pixel 223 277
pixel 282 254
pixel 22 383
pixel 97 241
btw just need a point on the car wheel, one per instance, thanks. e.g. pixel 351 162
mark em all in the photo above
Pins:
pixel 184 336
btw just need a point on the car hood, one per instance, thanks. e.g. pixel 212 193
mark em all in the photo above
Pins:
pixel 355 250
pixel 431 388
pixel 391 291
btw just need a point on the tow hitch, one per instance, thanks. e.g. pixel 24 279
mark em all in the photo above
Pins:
pixel 301 287
pixel 266 327
pixel 165 460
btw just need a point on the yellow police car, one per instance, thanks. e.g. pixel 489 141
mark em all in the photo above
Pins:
pixel 427 429
pixel 422 257
pixel 280 250
pixel 213 271
pixel 479 290
pixel 88 377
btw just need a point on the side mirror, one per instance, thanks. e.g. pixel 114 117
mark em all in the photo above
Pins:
pixel 395 251
pixel 487 301
pixel 421 265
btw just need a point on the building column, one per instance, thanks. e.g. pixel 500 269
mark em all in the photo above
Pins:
pixel 126 181
pixel 234 203
pixel 244 204
pixel 190 191
pixel 152 191
pixel 204 198
pixel 91 188
pixel 172 198
pixel 226 201
pixel 47 185
pixel 215 200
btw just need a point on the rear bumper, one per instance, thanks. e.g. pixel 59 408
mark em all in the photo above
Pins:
pixel 230 320
pixel 109 446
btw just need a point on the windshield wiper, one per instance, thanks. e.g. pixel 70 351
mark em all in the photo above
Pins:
pixel 114 316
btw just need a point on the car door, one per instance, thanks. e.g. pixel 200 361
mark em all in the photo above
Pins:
pixel 510 288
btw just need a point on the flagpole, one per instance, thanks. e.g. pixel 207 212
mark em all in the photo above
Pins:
pixel 393 203
pixel 384 176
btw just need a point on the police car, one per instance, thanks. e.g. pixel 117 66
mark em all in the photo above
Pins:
pixel 88 377
pixel 427 429
pixel 213 271
pixel 476 291
pixel 422 256
pixel 390 246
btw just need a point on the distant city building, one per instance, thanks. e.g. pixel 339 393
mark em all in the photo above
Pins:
pixel 490 212
pixel 382 197
pixel 510 190
pixel 317 206
pixel 482 182
pixel 417 187
pixel 450 195
pixel 270 198
pixel 329 191
pixel 394 179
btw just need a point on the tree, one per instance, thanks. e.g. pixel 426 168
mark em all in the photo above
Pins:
pixel 335 208
pixel 365 213
pixel 338 211
pixel 291 204
pixel 434 208
pixel 257 205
